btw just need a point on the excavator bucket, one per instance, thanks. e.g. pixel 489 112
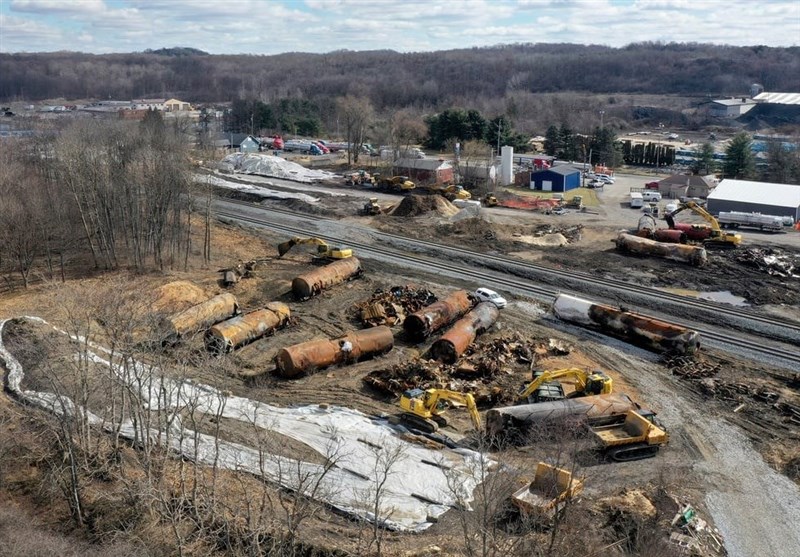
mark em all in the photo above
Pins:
pixel 284 247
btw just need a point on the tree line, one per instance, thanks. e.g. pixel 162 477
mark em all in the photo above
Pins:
pixel 391 80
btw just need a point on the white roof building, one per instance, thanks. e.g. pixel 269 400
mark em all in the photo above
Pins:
pixel 778 98
pixel 755 197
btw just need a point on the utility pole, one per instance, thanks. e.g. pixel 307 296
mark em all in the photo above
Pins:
pixel 602 112
pixel 499 127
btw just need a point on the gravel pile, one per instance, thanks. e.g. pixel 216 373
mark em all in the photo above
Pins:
pixel 274 167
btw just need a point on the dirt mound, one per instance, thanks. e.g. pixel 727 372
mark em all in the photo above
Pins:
pixel 416 205
pixel 472 228
pixel 177 296
pixel 301 206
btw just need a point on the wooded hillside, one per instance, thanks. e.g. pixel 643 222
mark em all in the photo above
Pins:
pixel 391 79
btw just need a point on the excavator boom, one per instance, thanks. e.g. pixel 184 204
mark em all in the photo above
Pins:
pixel 586 383
pixel 717 236
pixel 424 409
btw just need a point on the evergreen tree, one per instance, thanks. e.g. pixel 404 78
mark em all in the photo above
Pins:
pixel 783 164
pixel 704 162
pixel 552 141
pixel 739 160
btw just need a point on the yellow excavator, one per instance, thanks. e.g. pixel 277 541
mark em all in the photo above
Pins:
pixel 710 235
pixel 546 387
pixel 424 410
pixel 324 252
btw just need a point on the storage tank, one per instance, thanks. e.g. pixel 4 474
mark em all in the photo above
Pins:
pixel 529 421
pixel 199 317
pixel 238 331
pixel 430 319
pixel 313 355
pixel 312 283
pixel 635 328
pixel 694 255
pixel 455 341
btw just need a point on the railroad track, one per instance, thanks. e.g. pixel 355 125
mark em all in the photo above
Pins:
pixel 527 287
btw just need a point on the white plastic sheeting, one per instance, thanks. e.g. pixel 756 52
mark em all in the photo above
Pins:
pixel 254 189
pixel 275 167
pixel 341 434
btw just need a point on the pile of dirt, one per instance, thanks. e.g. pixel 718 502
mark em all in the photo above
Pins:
pixel 177 296
pixel 470 229
pixel 416 205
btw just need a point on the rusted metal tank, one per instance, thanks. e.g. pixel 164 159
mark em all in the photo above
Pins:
pixel 635 328
pixel 527 422
pixel 426 321
pixel 694 255
pixel 312 283
pixel 455 341
pixel 235 332
pixel 670 236
pixel 316 354
pixel 199 317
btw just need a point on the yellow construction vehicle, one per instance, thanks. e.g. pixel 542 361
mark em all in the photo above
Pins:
pixel 424 410
pixel 490 200
pixel 324 252
pixel 546 387
pixel 575 203
pixel 710 235
pixel 634 439
pixel 550 489
pixel 371 207
pixel 399 184
pixel 449 191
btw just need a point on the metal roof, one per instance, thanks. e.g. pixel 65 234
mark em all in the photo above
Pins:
pixel 778 98
pixel 734 102
pixel 422 164
pixel 760 193
pixel 563 169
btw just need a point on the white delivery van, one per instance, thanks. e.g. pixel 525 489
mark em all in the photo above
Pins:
pixel 651 196
pixel 636 200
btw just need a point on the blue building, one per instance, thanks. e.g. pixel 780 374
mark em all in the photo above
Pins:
pixel 557 178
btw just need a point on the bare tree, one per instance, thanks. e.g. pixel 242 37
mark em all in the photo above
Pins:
pixel 356 114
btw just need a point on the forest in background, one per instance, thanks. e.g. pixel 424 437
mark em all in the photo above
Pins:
pixel 424 80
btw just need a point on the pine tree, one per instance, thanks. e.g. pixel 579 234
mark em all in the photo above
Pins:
pixel 739 160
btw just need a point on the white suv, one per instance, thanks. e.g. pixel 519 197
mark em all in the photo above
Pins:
pixel 486 295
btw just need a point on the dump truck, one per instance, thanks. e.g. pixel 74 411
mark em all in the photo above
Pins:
pixel 634 439
pixel 550 488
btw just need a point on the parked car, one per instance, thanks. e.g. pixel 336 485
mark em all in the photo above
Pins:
pixel 560 211
pixel 651 186
pixel 596 184
pixel 486 295
pixel 604 178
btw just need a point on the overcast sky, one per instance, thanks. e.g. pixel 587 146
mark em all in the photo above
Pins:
pixel 275 26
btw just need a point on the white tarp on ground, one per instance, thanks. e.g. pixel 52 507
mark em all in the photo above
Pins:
pixel 253 189
pixel 344 435
pixel 275 167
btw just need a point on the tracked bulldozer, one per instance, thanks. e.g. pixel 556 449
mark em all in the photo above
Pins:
pixel 324 251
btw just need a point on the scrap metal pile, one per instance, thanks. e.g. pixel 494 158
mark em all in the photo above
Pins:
pixel 487 370
pixel 770 261
pixel 391 307
pixel 571 233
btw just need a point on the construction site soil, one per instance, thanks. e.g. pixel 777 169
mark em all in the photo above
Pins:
pixel 627 507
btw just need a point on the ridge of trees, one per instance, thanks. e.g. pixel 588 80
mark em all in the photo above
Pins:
pixel 391 79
